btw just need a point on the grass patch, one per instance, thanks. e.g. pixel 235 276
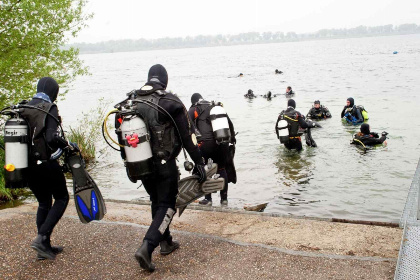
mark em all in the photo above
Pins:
pixel 88 132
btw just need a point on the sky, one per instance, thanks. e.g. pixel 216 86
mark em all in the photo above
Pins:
pixel 135 19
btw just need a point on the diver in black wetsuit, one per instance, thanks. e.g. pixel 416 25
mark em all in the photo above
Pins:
pixel 318 112
pixel 351 113
pixel 162 184
pixel 250 94
pixel 295 122
pixel 46 178
pixel 367 138
pixel 200 113
pixel 268 95
pixel 278 72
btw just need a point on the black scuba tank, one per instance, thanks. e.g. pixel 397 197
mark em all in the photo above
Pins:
pixel 16 142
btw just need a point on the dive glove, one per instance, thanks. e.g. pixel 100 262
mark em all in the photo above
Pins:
pixel 201 173
pixel 384 133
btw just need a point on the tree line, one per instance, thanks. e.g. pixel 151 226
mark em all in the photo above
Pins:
pixel 242 39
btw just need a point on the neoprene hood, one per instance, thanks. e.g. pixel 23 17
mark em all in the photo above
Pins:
pixel 48 86
pixel 291 103
pixel 195 98
pixel 158 75
pixel 365 129
pixel 351 101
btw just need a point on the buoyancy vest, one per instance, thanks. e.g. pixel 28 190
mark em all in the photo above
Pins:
pixel 164 138
pixel 202 120
pixel 319 113
pixel 292 119
pixel 39 149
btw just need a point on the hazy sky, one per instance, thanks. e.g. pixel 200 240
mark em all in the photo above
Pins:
pixel 134 19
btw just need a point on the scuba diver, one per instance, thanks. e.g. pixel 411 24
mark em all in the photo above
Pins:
pixel 293 121
pixel 318 112
pixel 45 175
pixel 367 138
pixel 278 72
pixel 240 75
pixel 289 91
pixel 351 113
pixel 268 95
pixel 250 94
pixel 212 145
pixel 168 126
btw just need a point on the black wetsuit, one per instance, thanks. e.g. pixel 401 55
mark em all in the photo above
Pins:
pixel 298 121
pixel 371 139
pixel 208 146
pixel 46 180
pixel 318 114
pixel 162 185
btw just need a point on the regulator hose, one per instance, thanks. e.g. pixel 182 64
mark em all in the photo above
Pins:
pixel 105 131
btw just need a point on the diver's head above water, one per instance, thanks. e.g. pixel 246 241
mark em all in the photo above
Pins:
pixel 350 102
pixel 365 129
pixel 158 75
pixel 317 104
pixel 291 103
pixel 195 98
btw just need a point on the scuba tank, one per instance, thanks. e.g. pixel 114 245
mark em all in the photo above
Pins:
pixel 220 124
pixel 136 147
pixel 16 141
pixel 283 132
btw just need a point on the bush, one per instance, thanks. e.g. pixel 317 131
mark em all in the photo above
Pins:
pixel 89 131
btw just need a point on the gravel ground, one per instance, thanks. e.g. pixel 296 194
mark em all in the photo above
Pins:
pixel 213 246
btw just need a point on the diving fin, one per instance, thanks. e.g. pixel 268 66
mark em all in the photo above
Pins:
pixel 230 165
pixel 308 138
pixel 88 199
pixel 189 189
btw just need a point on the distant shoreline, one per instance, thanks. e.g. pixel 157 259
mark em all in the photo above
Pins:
pixel 250 38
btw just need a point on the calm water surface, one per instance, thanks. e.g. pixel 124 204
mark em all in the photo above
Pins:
pixel 333 180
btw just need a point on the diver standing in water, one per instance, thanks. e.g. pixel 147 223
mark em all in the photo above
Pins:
pixel 351 112
pixel 367 138
pixel 45 176
pixel 318 112
pixel 201 112
pixel 169 128
pixel 292 121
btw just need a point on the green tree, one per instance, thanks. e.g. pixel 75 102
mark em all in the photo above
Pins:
pixel 32 36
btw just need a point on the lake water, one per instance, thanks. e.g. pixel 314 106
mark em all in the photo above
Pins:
pixel 333 180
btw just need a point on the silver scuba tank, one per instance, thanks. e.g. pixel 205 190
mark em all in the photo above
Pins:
pixel 220 124
pixel 137 147
pixel 283 131
pixel 16 140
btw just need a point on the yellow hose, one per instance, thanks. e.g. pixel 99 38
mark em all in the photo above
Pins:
pixel 106 129
pixel 360 142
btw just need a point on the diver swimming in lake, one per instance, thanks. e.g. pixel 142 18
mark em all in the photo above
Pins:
pixel 354 114
pixel 250 94
pixel 367 138
pixel 294 122
pixel 289 91
pixel 318 112
pixel 278 72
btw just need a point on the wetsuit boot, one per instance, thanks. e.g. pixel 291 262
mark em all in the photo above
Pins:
pixel 144 257
pixel 42 245
pixel 168 246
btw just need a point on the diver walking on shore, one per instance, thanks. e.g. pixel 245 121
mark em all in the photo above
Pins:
pixel 212 143
pixel 153 126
